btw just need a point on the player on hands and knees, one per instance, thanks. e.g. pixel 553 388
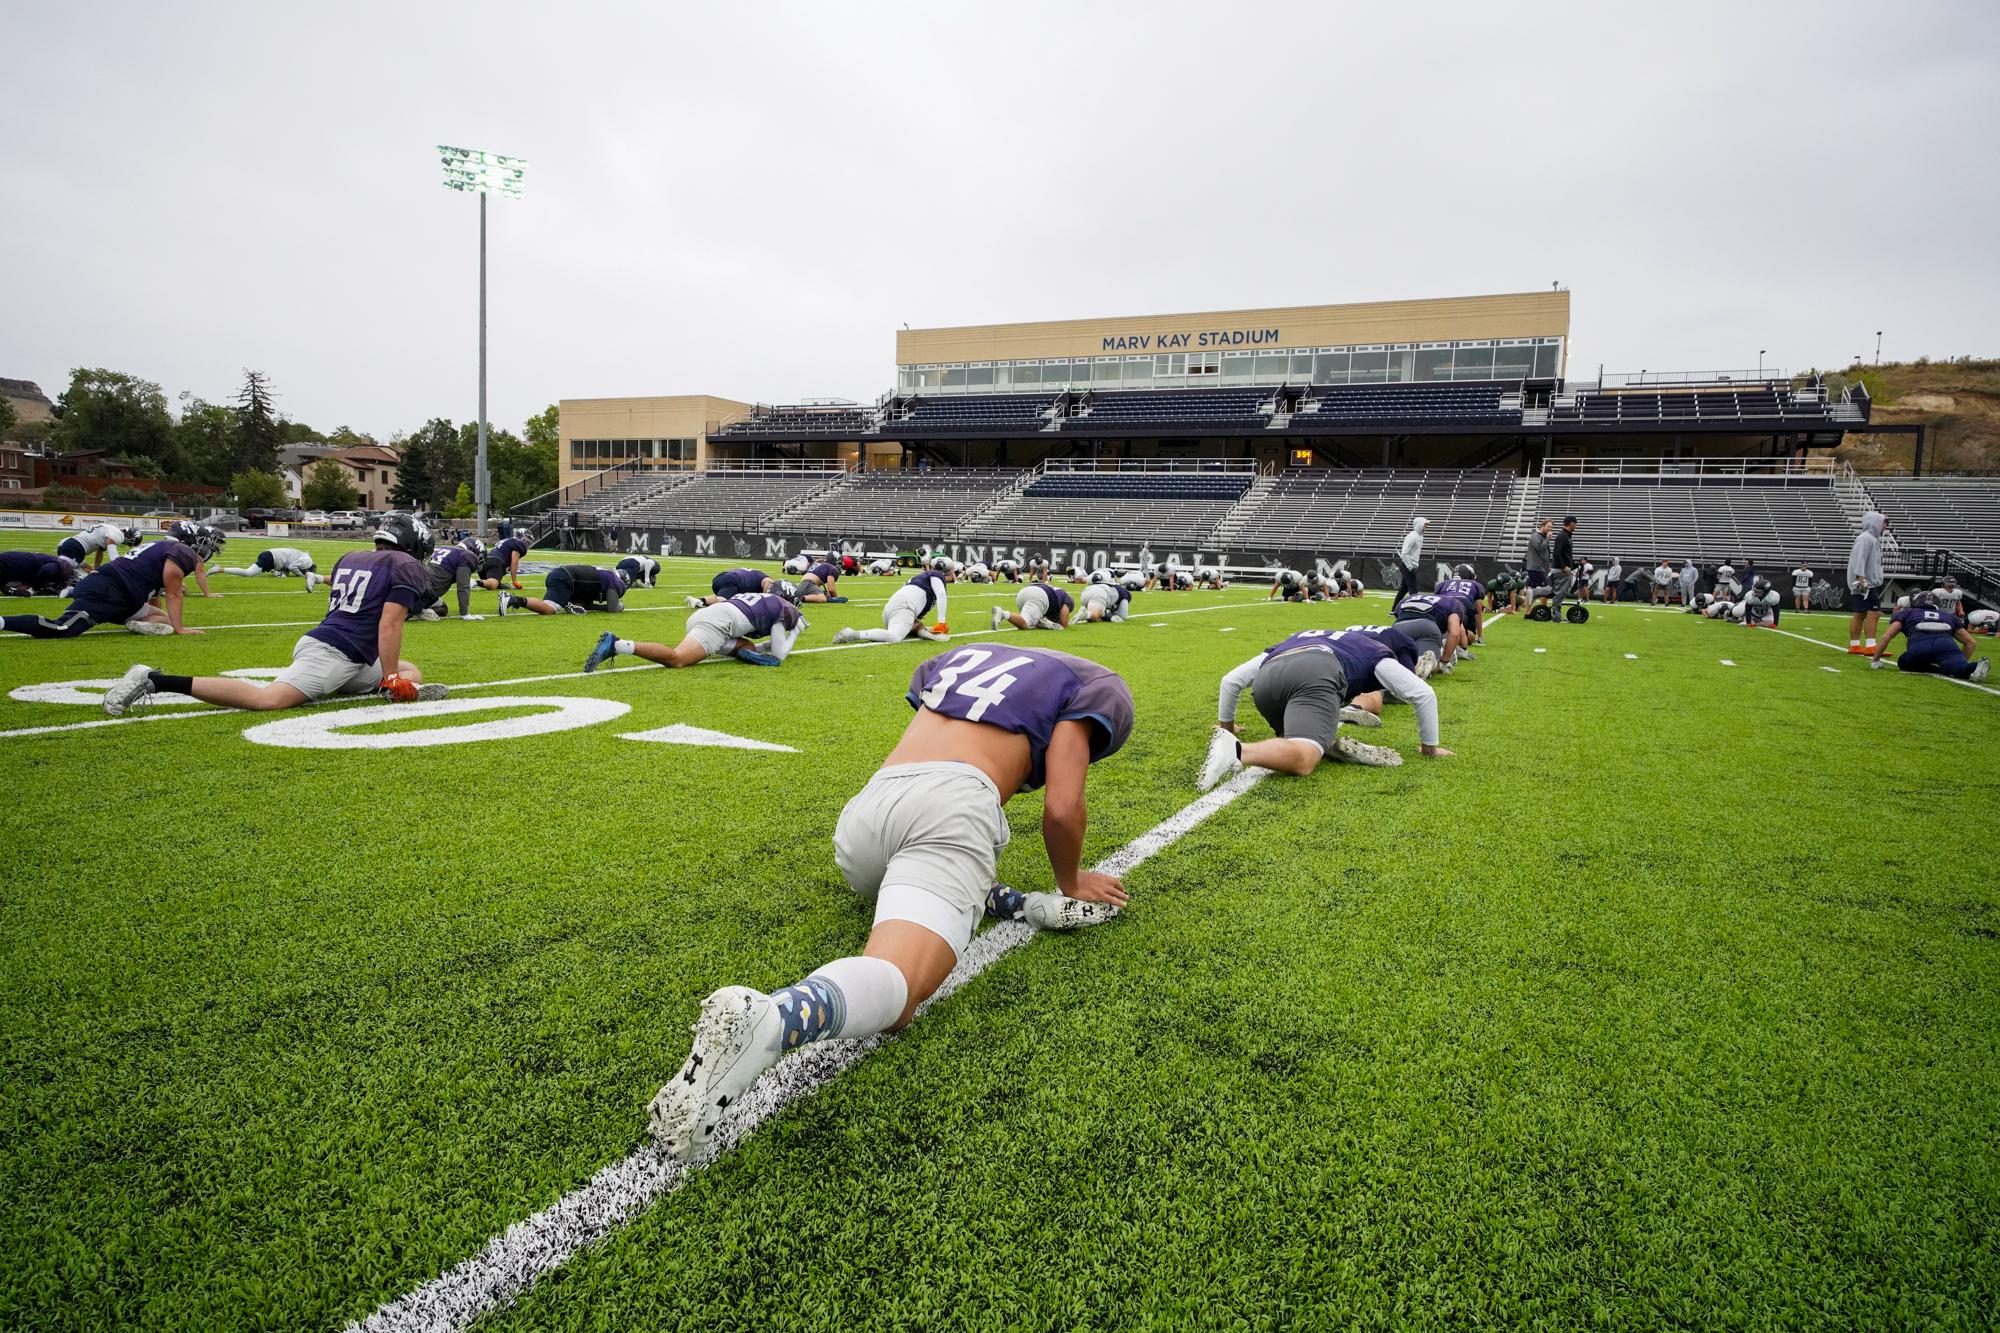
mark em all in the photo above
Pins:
pixel 572 590
pixel 903 614
pixel 449 566
pixel 640 571
pixel 1209 576
pixel 725 629
pixel 369 595
pixel 1939 643
pixel 1008 568
pixel 123 593
pixel 1472 593
pixel 733 581
pixel 882 566
pixel 98 542
pixel 821 583
pixel 1759 605
pixel 1038 606
pixel 1105 601
pixel 1289 584
pixel 1448 613
pixel 1364 709
pixel 1983 621
pixel 503 562
pixel 922 839
pixel 283 561
pixel 36 573
pixel 1300 685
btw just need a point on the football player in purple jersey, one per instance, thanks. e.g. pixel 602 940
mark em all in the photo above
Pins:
pixel 922 839
pixel 1300 685
pixel 1449 614
pixel 1469 590
pixel 503 562
pixel 732 581
pixel 726 629
pixel 450 565
pixel 1939 642
pixel 35 573
pixel 369 595
pixel 122 593
pixel 903 614
pixel 1416 653
pixel 1037 606
pixel 821 583
pixel 572 590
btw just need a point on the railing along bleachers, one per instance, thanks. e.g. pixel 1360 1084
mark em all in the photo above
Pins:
pixel 843 422
pixel 898 501
pixel 1777 513
pixel 727 498
pixel 1367 511
pixel 1956 514
pixel 971 414
pixel 1747 404
pixel 1472 404
pixel 1218 409
pixel 1131 507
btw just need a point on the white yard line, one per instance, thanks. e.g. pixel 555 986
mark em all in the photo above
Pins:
pixel 511 1262
pixel 1970 685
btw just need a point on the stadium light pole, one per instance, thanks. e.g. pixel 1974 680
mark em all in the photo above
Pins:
pixel 1760 361
pixel 482 174
pixel 1878 347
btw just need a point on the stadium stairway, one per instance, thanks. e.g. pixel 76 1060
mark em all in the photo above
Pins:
pixel 1521 516
pixel 1233 522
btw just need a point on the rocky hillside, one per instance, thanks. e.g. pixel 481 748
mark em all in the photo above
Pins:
pixel 1959 401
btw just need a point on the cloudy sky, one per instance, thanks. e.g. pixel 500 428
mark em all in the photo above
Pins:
pixel 748 200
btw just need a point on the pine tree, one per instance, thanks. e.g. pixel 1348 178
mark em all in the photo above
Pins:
pixel 260 435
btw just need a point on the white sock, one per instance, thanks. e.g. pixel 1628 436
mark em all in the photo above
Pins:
pixel 874 993
pixel 1854 643
pixel 1871 643
pixel 623 646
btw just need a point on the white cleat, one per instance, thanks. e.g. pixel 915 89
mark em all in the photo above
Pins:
pixel 1877 663
pixel 1466 655
pixel 153 627
pixel 1058 911
pixel 1980 670
pixel 312 580
pixel 924 632
pixel 735 1040
pixel 428 613
pixel 846 634
pixel 1224 758
pixel 1359 717
pixel 1350 751
pixel 999 617
pixel 693 603
pixel 132 689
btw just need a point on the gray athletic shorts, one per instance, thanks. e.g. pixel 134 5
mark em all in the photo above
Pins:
pixel 319 671
pixel 924 841
pixel 1032 604
pixel 716 627
pixel 1300 693
pixel 1426 633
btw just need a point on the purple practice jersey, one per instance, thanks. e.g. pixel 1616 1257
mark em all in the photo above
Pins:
pixel 509 546
pixel 33 568
pixel 362 584
pixel 1917 620
pixel 452 558
pixel 1400 645
pixel 1058 599
pixel 1357 651
pixel 929 582
pixel 1027 691
pixel 764 610
pixel 143 573
pixel 732 581
pixel 823 571
pixel 1470 591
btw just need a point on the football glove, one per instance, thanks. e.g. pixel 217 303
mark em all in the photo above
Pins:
pixel 400 688
pixel 940 628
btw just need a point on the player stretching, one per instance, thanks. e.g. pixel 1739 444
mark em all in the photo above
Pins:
pixel 903 614
pixel 922 839
pixel 1300 686
pixel 821 584
pixel 280 560
pixel 1938 642
pixel 98 541
pixel 35 573
pixel 370 594
pixel 1037 606
pixel 121 593
pixel 502 562
pixel 450 565
pixel 1469 590
pixel 725 629
pixel 733 581
pixel 1106 601
pixel 640 571
pixel 572 590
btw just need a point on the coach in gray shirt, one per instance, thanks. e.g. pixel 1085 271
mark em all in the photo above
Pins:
pixel 1536 564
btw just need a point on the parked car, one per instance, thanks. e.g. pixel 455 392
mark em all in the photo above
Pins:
pixel 346 518
pixel 314 518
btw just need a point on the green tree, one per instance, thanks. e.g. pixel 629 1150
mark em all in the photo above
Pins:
pixel 346 437
pixel 529 469
pixel 297 432
pixel 121 414
pixel 205 441
pixel 432 465
pixel 461 504
pixel 258 435
pixel 258 490
pixel 7 417
pixel 327 487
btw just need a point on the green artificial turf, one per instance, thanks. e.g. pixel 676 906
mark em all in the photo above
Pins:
pixel 1671 1000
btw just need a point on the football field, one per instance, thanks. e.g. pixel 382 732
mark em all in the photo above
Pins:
pixel 1672 999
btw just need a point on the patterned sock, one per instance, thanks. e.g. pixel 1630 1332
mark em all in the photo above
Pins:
pixel 849 997
pixel 812 1009
pixel 1005 904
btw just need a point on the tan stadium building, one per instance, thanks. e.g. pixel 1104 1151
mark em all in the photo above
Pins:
pixel 1518 337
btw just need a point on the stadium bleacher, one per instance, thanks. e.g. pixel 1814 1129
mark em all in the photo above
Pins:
pixel 838 423
pixel 1473 404
pixel 1218 410
pixel 1747 404
pixel 1130 508
pixel 899 501
pixel 1775 522
pixel 1367 511
pixel 727 499
pixel 1956 514
pixel 973 413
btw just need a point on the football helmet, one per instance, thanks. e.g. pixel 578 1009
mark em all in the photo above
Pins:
pixel 204 540
pixel 1100 576
pixel 1760 584
pixel 472 545
pixel 1924 601
pixel 407 533
pixel 1463 571
pixel 131 533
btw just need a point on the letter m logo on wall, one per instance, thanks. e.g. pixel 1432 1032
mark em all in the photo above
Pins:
pixel 639 542
pixel 774 548
pixel 704 544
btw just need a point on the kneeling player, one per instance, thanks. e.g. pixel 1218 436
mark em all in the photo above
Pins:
pixel 978 572
pixel 371 594
pixel 35 573
pixel 122 593
pixel 284 561
pixel 821 584
pixel 922 839
pixel 1759 606
pixel 726 629
pixel 733 581
pixel 1470 591
pixel 903 614
pixel 1449 614
pixel 503 562
pixel 882 566
pixel 450 565
pixel 1300 686
pixel 1008 568
pixel 1983 621
pixel 1289 584
pixel 1938 642
pixel 1365 708
pixel 640 571
pixel 1037 606
pixel 1209 576
pixel 1106 601
pixel 572 590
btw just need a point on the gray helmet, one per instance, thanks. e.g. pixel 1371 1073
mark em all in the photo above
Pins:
pixel 407 533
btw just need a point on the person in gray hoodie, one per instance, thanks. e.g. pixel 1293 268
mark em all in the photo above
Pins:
pixel 1536 563
pixel 1864 582
pixel 1407 557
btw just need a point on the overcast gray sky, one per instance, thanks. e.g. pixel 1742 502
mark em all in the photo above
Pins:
pixel 747 200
